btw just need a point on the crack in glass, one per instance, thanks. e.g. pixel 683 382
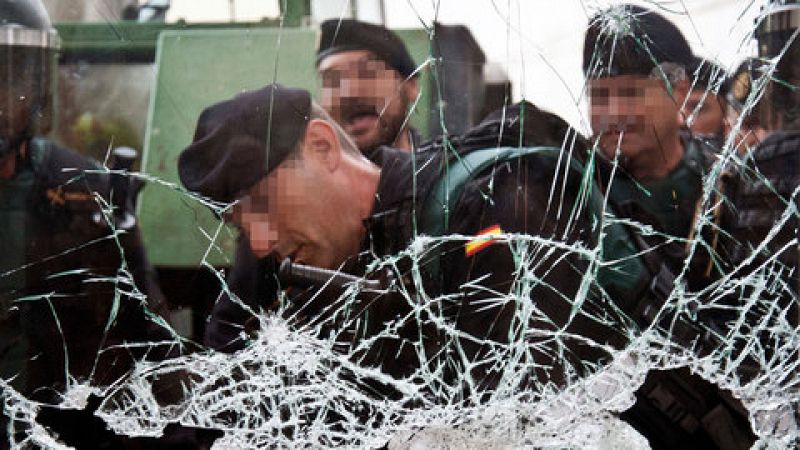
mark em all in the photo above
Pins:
pixel 310 382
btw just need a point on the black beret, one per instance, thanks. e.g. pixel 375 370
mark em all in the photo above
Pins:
pixel 347 34
pixel 238 141
pixel 631 40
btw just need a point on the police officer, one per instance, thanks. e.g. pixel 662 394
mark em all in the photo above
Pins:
pixel 744 124
pixel 369 82
pixel 311 196
pixel 703 110
pixel 75 285
pixel 763 188
pixel 653 164
pixel 634 105
pixel 635 61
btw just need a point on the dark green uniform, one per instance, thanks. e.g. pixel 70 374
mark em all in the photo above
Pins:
pixel 674 408
pixel 668 203
pixel 665 210
pixel 71 289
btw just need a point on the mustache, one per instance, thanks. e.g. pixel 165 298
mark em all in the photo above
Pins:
pixel 618 124
pixel 352 108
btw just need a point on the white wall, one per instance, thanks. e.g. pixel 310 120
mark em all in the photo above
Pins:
pixel 540 41
pixel 222 10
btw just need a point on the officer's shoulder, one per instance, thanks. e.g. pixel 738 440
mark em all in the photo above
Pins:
pixel 66 177
pixel 539 166
pixel 776 160
pixel 58 165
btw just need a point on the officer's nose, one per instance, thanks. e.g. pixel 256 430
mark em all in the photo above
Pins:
pixel 261 233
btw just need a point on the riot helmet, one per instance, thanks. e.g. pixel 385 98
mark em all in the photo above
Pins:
pixel 28 47
pixel 777 34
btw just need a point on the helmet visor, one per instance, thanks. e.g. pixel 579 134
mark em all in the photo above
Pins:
pixel 26 84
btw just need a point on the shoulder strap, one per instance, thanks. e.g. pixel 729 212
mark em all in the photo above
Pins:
pixel 458 170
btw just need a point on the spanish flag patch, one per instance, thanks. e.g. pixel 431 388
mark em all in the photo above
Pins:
pixel 483 239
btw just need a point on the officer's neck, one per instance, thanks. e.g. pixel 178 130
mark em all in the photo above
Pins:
pixel 359 182
pixel 367 189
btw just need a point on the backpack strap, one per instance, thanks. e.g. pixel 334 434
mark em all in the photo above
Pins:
pixel 458 170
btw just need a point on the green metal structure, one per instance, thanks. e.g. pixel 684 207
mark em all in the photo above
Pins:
pixel 128 42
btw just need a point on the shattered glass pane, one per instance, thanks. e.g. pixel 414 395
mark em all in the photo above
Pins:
pixel 557 289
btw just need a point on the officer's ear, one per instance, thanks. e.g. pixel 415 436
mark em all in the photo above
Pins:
pixel 321 146
pixel 410 90
pixel 681 96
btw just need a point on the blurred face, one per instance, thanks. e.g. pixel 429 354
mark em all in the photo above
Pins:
pixel 634 112
pixel 365 96
pixel 708 113
pixel 293 212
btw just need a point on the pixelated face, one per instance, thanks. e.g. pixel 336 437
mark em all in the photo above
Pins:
pixel 365 96
pixel 632 111
pixel 291 213
pixel 708 113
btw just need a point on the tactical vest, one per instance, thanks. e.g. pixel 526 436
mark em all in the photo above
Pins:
pixel 669 206
pixel 675 408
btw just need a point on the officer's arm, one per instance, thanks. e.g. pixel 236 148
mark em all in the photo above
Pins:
pixel 519 299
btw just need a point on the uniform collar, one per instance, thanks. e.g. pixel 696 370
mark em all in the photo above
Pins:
pixel 391 201
pixel 390 226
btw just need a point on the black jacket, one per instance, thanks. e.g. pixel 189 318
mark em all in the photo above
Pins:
pixel 760 193
pixel 73 291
